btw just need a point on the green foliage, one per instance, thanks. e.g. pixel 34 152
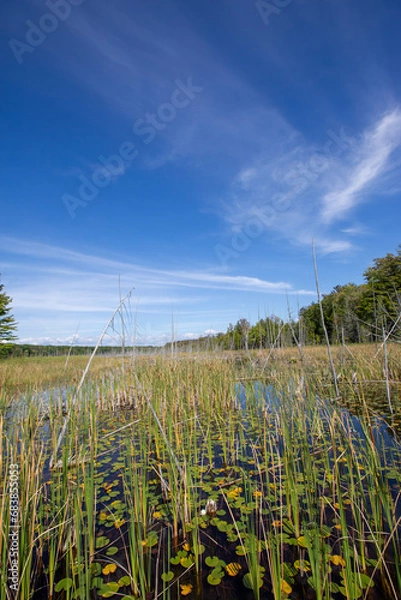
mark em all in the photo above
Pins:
pixel 359 313
pixel 382 294
pixel 7 322
pixel 343 315
pixel 243 336
pixel 352 313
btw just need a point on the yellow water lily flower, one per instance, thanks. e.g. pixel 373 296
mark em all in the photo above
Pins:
pixel 118 523
pixel 337 560
pixel 110 568
pixel 234 493
pixel 186 588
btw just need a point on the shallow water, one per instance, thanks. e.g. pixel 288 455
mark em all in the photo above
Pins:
pixel 224 475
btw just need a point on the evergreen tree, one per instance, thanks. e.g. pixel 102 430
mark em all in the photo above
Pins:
pixel 7 322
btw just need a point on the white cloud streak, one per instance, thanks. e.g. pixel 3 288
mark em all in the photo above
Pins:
pixel 54 289
pixel 104 273
pixel 300 194
pixel 371 161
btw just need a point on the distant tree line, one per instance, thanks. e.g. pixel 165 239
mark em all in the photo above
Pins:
pixel 19 350
pixel 352 313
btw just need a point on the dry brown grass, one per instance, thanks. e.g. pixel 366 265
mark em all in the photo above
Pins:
pixel 20 374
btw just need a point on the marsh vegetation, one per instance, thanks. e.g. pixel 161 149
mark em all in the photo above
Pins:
pixel 208 475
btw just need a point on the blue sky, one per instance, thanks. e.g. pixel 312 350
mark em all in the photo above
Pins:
pixel 193 150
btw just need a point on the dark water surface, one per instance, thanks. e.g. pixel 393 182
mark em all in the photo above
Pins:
pixel 224 479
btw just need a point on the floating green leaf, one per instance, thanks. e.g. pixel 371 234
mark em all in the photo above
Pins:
pixel 249 583
pixel 212 561
pixel 101 541
pixel 64 585
pixel 213 580
pixel 109 589
pixel 186 562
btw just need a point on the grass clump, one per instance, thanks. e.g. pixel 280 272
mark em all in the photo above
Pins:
pixel 208 475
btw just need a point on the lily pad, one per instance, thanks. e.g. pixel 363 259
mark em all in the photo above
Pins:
pixel 213 580
pixel 64 584
pixel 212 561
pixel 248 581
pixel 101 541
pixel 109 589
pixel 233 569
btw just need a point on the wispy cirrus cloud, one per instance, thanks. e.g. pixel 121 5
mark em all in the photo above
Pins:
pixel 301 193
pixel 103 269
pixel 54 288
pixel 127 63
pixel 372 160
